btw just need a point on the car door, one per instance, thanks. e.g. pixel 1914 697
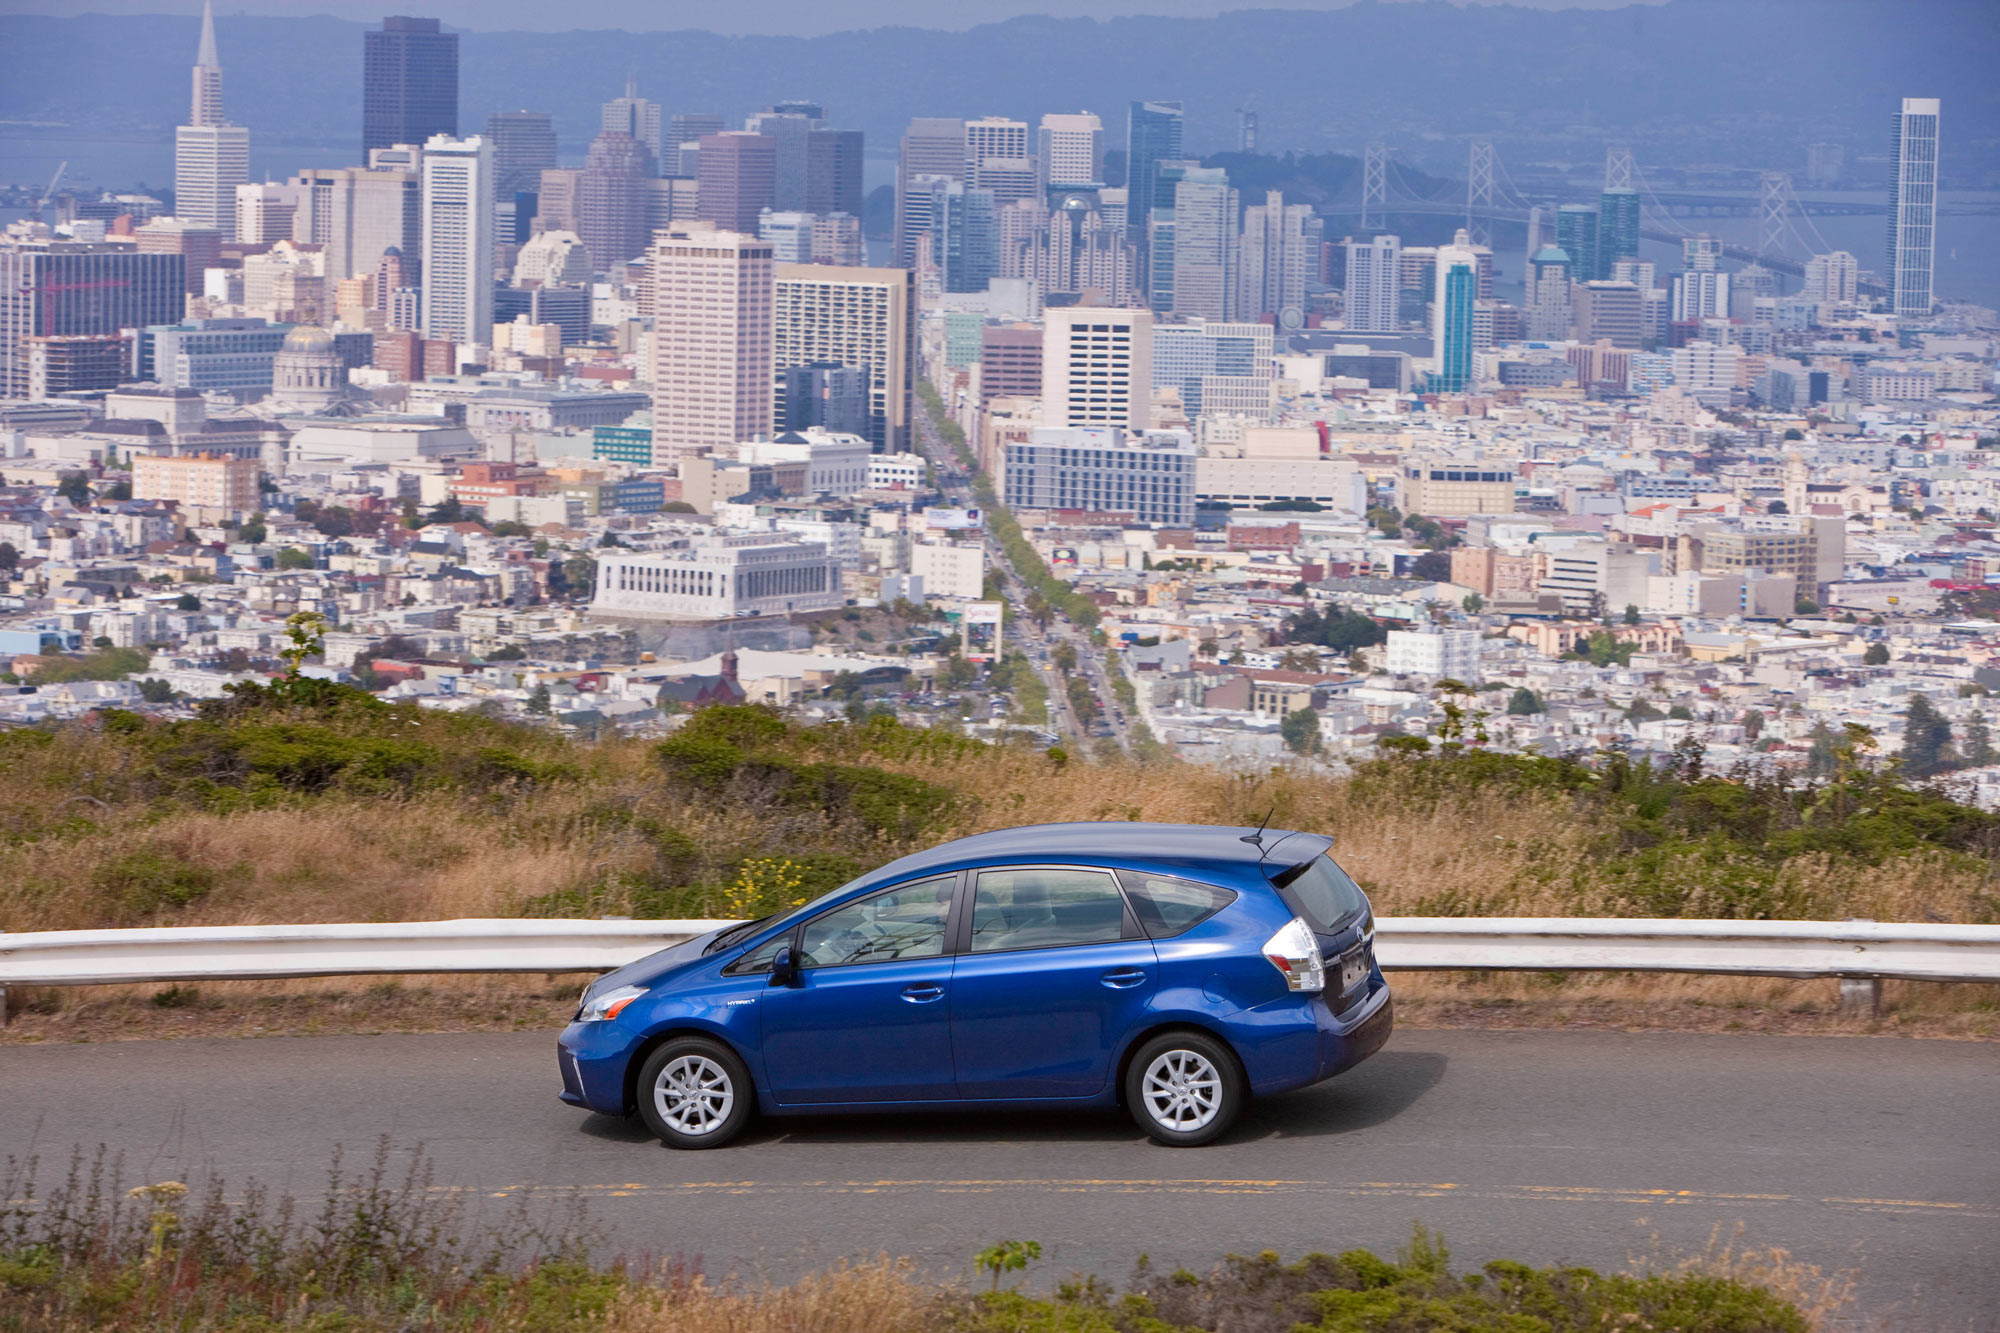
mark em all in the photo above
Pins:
pixel 1052 971
pixel 869 1020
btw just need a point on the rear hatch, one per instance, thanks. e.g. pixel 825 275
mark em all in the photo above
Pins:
pixel 1301 867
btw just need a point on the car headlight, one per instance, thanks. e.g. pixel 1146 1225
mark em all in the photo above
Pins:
pixel 1295 953
pixel 598 1008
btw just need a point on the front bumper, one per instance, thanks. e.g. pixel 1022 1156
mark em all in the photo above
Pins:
pixel 592 1059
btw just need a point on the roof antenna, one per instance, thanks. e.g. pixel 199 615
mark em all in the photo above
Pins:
pixel 1257 839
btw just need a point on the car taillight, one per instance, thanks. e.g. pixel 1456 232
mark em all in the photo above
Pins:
pixel 1295 953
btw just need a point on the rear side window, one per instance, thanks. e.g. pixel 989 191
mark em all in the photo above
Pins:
pixel 1167 907
pixel 1045 909
pixel 1321 892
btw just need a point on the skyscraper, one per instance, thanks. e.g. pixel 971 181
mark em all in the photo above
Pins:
pixel 1280 242
pixel 409 83
pixel 1831 277
pixel 211 156
pixel 633 115
pixel 524 144
pixel 458 240
pixel 860 317
pixel 1070 150
pixel 1548 296
pixel 738 174
pixel 1913 163
pixel 1451 314
pixel 1152 136
pixel 712 339
pixel 932 146
pixel 788 125
pixel 990 138
pixel 1576 236
pixel 63 289
pixel 1617 227
pixel 1374 284
pixel 684 134
pixel 833 172
pixel 1205 240
pixel 965 237
pixel 611 199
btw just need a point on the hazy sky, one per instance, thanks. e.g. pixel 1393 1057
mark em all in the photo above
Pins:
pixel 794 17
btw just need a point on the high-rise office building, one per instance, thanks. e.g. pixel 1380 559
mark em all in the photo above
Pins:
pixel 1280 245
pixel 1070 149
pixel 1374 284
pixel 931 147
pixel 211 156
pixel 409 83
pixel 682 146
pixel 1205 239
pixel 1913 168
pixel 458 240
pixel 991 138
pixel 634 115
pixel 358 213
pixel 1826 163
pixel 1152 136
pixel 1701 252
pixel 789 126
pixel 738 174
pixel 864 318
pixel 1576 236
pixel 965 236
pixel 1698 294
pixel 1452 313
pixel 611 199
pixel 1548 296
pixel 833 172
pixel 200 247
pixel 713 305
pixel 62 289
pixel 1617 227
pixel 524 145
pixel 1097 367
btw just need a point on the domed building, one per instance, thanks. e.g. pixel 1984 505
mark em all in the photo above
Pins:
pixel 308 375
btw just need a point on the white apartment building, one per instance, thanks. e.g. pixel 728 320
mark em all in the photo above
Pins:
pixel 1441 653
pixel 1149 474
pixel 712 340
pixel 836 464
pixel 1097 367
pixel 1597 577
pixel 895 471
pixel 1832 278
pixel 1071 149
pixel 458 240
pixel 1707 371
pixel 949 569
pixel 853 316
pixel 717 576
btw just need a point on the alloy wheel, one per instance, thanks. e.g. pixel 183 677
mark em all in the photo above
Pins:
pixel 1182 1091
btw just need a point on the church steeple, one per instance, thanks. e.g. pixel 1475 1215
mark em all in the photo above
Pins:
pixel 207 109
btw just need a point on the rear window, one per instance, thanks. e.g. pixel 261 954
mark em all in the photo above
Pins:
pixel 1167 907
pixel 1322 893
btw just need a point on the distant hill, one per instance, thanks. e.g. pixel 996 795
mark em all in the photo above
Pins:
pixel 1715 80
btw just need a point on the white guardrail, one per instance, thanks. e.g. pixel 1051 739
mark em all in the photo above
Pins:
pixel 1847 949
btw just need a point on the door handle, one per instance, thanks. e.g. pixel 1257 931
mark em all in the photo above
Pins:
pixel 922 993
pixel 1124 978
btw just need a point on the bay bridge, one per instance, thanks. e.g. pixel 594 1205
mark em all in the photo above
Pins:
pixel 1786 235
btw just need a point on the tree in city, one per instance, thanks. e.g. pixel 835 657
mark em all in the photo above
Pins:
pixel 1473 603
pixel 1976 750
pixel 1065 656
pixel 1631 614
pixel 75 488
pixel 538 700
pixel 1805 606
pixel 118 490
pixel 187 601
pixel 1432 567
pixel 1524 702
pixel 293 558
pixel 1926 739
pixel 1300 729
pixel 958 673
pixel 254 530
pixel 1752 723
pixel 1642 711
pixel 448 510
pixel 156 691
pixel 1877 654
pixel 579 577
pixel 610 538
pixel 1387 521
pixel 1681 713
pixel 10 556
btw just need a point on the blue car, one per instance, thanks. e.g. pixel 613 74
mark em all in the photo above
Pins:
pixel 1176 970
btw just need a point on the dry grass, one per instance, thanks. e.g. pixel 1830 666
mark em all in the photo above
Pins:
pixel 882 1295
pixel 1821 1296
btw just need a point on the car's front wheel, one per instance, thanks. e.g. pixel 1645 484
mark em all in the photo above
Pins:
pixel 1184 1088
pixel 695 1093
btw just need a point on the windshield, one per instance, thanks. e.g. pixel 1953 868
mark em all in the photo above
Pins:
pixel 736 932
pixel 1321 892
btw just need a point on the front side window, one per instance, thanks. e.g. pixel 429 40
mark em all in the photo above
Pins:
pixel 1045 909
pixel 905 922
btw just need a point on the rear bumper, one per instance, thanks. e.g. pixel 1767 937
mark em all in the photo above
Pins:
pixel 1315 1043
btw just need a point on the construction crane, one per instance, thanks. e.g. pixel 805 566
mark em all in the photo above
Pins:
pixel 50 193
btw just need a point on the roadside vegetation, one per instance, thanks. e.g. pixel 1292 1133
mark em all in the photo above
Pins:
pixel 383 1248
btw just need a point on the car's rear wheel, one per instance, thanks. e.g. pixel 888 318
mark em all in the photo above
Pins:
pixel 1184 1088
pixel 695 1093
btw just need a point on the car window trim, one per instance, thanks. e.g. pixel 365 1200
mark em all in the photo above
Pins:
pixel 950 922
pixel 1130 893
pixel 1129 929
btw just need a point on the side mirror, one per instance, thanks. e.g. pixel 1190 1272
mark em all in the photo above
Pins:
pixel 785 968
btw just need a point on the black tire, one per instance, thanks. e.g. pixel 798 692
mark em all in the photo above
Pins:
pixel 724 1098
pixel 1208 1082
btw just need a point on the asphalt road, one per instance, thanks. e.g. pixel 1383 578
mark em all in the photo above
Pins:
pixel 1876 1154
